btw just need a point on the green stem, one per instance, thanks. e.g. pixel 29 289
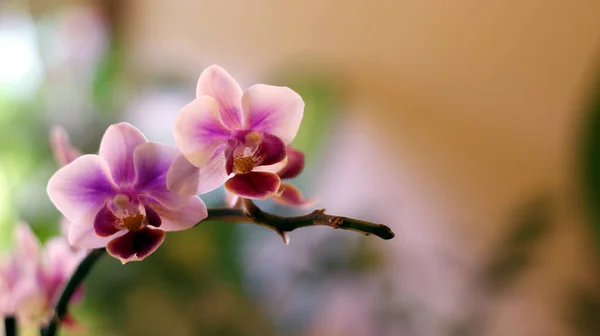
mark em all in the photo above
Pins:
pixel 62 306
pixel 10 326
pixel 251 214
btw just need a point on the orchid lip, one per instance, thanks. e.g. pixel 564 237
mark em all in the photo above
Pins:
pixel 131 214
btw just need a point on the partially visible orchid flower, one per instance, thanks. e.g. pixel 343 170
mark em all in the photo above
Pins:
pixel 289 168
pixel 64 153
pixel 119 198
pixel 61 147
pixel 35 277
pixel 17 266
pixel 225 131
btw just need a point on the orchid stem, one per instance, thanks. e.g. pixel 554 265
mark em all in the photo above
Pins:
pixel 251 213
pixel 10 326
pixel 282 225
pixel 62 306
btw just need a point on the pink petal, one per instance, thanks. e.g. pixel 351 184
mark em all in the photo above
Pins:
pixel 273 109
pixel 187 179
pixel 181 219
pixel 84 236
pixel 27 246
pixel 61 258
pixel 152 161
pixel 135 246
pixel 105 222
pixel 199 130
pixel 62 150
pixel 217 83
pixel 257 185
pixel 81 188
pixel 295 164
pixel 231 200
pixel 290 195
pixel 117 146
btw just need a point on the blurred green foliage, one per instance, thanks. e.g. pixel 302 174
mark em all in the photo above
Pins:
pixel 590 160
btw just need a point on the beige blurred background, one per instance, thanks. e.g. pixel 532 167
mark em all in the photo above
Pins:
pixel 455 112
pixel 452 114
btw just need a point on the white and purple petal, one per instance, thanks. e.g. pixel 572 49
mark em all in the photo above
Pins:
pixel 181 219
pixel 256 185
pixel 187 179
pixel 81 188
pixel 135 246
pixel 218 83
pixel 152 162
pixel 117 146
pixel 199 131
pixel 84 236
pixel 273 109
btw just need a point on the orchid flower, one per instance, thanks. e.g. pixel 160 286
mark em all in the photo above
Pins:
pixel 226 134
pixel 32 278
pixel 289 168
pixel 17 266
pixel 119 198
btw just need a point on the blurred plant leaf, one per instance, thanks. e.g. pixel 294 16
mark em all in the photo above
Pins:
pixel 584 312
pixel 105 84
pixel 590 179
pixel 513 256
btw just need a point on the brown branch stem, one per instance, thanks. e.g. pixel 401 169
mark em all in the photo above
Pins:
pixel 249 214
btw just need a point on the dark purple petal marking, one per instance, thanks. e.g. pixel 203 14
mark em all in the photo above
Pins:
pixel 257 185
pixel 105 222
pixel 294 165
pixel 152 216
pixel 270 151
pixel 229 159
pixel 135 245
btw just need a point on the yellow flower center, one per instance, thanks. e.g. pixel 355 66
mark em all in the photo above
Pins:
pixel 134 223
pixel 243 165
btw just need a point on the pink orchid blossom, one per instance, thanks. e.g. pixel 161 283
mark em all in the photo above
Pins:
pixel 225 134
pixel 32 277
pixel 119 198
pixel 64 153
pixel 289 168
pixel 17 266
